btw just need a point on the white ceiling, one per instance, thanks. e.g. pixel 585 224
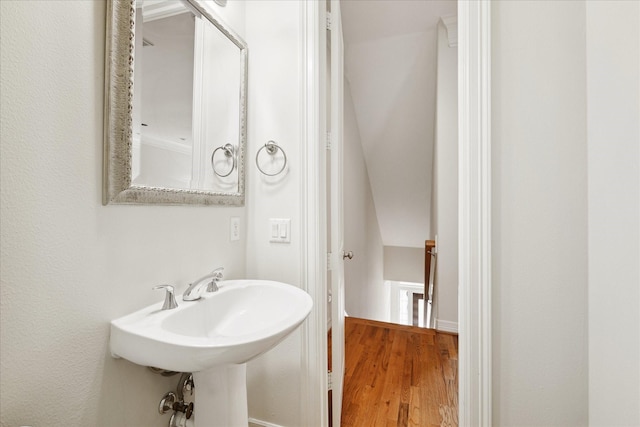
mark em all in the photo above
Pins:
pixel 390 64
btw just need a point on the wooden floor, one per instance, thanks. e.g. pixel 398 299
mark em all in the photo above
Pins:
pixel 399 376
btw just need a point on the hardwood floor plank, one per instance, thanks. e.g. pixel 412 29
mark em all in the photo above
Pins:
pixel 393 386
pixel 415 409
pixel 403 415
pixel 407 374
pixel 399 375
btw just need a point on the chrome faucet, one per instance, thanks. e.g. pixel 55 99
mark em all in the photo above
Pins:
pixel 210 282
pixel 169 299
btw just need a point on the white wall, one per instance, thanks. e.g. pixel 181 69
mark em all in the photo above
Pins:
pixel 395 118
pixel 613 131
pixel 163 167
pixel 274 36
pixel 366 295
pixel 404 264
pixel 68 264
pixel 444 219
pixel 539 191
pixel 220 104
pixel 166 99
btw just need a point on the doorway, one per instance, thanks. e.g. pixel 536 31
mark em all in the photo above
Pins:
pixel 391 182
pixel 400 151
pixel 474 217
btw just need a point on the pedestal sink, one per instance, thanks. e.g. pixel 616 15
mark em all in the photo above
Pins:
pixel 213 337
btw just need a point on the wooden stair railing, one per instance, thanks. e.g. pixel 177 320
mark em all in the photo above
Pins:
pixel 429 276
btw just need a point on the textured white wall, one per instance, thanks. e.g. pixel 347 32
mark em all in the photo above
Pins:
pixel 539 214
pixel 444 222
pixel 613 87
pixel 68 264
pixel 365 293
pixel 273 33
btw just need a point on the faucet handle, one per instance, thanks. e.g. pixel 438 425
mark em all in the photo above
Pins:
pixel 217 273
pixel 169 298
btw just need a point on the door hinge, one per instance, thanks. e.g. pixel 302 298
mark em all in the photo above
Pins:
pixel 329 380
pixel 328 261
pixel 329 21
pixel 328 142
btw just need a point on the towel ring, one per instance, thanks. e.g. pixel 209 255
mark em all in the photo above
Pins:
pixel 271 148
pixel 229 152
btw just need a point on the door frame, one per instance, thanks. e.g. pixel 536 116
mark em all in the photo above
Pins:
pixel 335 196
pixel 314 356
pixel 474 212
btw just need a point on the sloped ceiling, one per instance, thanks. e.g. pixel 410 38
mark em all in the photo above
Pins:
pixel 390 63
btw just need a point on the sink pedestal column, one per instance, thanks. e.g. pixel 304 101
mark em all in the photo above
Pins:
pixel 221 397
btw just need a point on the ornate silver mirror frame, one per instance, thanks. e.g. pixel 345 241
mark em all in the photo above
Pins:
pixel 118 120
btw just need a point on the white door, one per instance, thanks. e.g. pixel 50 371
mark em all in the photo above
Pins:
pixel 336 219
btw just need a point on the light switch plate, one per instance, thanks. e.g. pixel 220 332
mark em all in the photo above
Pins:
pixel 280 230
pixel 234 228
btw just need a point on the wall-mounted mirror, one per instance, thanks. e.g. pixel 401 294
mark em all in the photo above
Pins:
pixel 175 105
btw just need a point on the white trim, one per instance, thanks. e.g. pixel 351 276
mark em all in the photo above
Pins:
pixel 165 144
pixel 447 326
pixel 451 24
pixel 394 299
pixel 474 200
pixel 313 226
pixel 153 10
pixel 256 422
pixel 335 102
pixel 199 126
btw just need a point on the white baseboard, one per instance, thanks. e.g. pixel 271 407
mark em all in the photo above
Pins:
pixel 259 423
pixel 447 326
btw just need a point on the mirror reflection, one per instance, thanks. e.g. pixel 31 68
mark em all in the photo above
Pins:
pixel 186 103
pixel 175 105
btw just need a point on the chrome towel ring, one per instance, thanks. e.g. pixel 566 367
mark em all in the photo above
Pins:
pixel 271 148
pixel 230 153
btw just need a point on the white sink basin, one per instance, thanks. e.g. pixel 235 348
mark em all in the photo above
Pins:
pixel 242 320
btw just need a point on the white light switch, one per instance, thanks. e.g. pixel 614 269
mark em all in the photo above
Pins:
pixel 280 230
